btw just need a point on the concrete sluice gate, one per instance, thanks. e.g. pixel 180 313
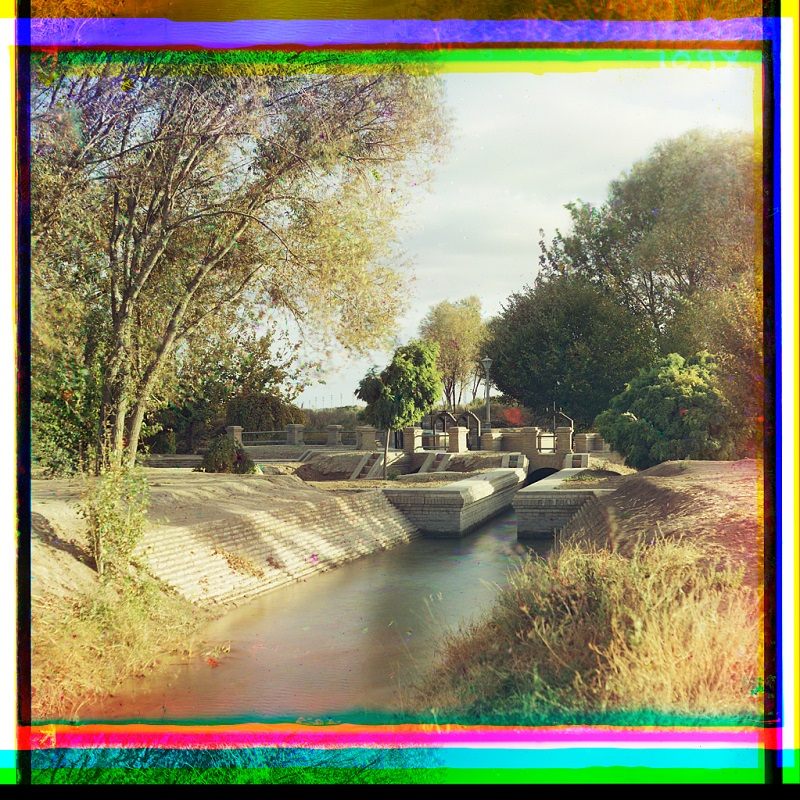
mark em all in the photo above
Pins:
pixel 545 507
pixel 542 507
pixel 449 511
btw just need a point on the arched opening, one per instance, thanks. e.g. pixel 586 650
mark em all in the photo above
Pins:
pixel 538 474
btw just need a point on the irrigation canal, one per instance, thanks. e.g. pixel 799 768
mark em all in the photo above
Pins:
pixel 340 645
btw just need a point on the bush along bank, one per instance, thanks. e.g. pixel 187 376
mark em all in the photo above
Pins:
pixel 666 636
pixel 84 647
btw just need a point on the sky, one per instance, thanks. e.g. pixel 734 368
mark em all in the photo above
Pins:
pixel 525 145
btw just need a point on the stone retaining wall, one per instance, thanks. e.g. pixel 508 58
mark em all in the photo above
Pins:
pixel 451 511
pixel 233 560
pixel 545 507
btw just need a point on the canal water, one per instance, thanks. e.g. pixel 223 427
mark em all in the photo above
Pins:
pixel 343 643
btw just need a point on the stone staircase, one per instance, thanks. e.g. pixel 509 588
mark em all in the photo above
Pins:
pixel 371 465
pixel 230 561
pixel 435 462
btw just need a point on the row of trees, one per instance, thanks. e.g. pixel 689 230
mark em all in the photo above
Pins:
pixel 669 264
pixel 175 212
pixel 628 307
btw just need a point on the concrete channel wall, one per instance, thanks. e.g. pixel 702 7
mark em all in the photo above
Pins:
pixel 231 561
pixel 544 507
pixel 451 511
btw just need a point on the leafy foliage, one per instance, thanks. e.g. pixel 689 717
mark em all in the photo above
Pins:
pixel 114 505
pixel 319 419
pixel 210 375
pixel 225 455
pixel 563 341
pixel 459 331
pixel 262 412
pixel 64 391
pixel 681 223
pixel 672 411
pixel 161 200
pixel 405 390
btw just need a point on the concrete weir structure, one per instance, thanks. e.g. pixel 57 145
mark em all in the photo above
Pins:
pixel 544 507
pixel 451 511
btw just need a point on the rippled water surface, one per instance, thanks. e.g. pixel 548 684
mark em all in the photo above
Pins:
pixel 343 641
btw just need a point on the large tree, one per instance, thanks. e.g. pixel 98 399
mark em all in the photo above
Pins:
pixel 563 341
pixel 682 223
pixel 404 391
pixel 159 199
pixel 458 329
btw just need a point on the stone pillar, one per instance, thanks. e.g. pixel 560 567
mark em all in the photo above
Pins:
pixel 457 440
pixel 492 440
pixel 412 440
pixel 563 440
pixel 530 440
pixel 334 435
pixel 365 437
pixel 294 434
pixel 235 432
pixel 583 442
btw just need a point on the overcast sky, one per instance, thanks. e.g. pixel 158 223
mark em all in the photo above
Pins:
pixel 524 145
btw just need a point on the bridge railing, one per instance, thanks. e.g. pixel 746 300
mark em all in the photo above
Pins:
pixel 264 437
pixel 333 436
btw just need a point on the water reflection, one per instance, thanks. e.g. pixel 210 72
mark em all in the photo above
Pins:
pixel 344 641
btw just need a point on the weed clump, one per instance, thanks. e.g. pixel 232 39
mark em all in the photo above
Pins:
pixel 85 649
pixel 114 506
pixel 225 455
pixel 591 634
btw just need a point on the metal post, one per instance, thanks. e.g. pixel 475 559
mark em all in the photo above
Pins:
pixel 487 362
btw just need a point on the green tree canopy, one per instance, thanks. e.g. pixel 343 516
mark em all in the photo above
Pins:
pixel 458 329
pixel 563 341
pixel 680 224
pixel 160 198
pixel 674 410
pixel 203 379
pixel 404 391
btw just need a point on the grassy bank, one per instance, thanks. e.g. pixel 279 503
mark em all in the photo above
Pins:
pixel 117 621
pixel 85 648
pixel 590 635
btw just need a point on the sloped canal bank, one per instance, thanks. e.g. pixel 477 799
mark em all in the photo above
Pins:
pixel 341 645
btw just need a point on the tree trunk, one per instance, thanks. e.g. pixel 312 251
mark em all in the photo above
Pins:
pixel 386 451
pixel 135 430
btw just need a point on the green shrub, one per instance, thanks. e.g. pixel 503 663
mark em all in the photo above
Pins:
pixel 225 455
pixel 115 506
pixel 672 411
pixel 164 443
pixel 262 412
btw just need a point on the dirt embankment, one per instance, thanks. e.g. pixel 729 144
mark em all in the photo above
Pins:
pixel 720 502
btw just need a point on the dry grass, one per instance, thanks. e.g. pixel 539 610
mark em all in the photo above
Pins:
pixel 589 634
pixel 86 648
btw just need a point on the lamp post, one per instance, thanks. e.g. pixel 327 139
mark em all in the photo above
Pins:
pixel 487 362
